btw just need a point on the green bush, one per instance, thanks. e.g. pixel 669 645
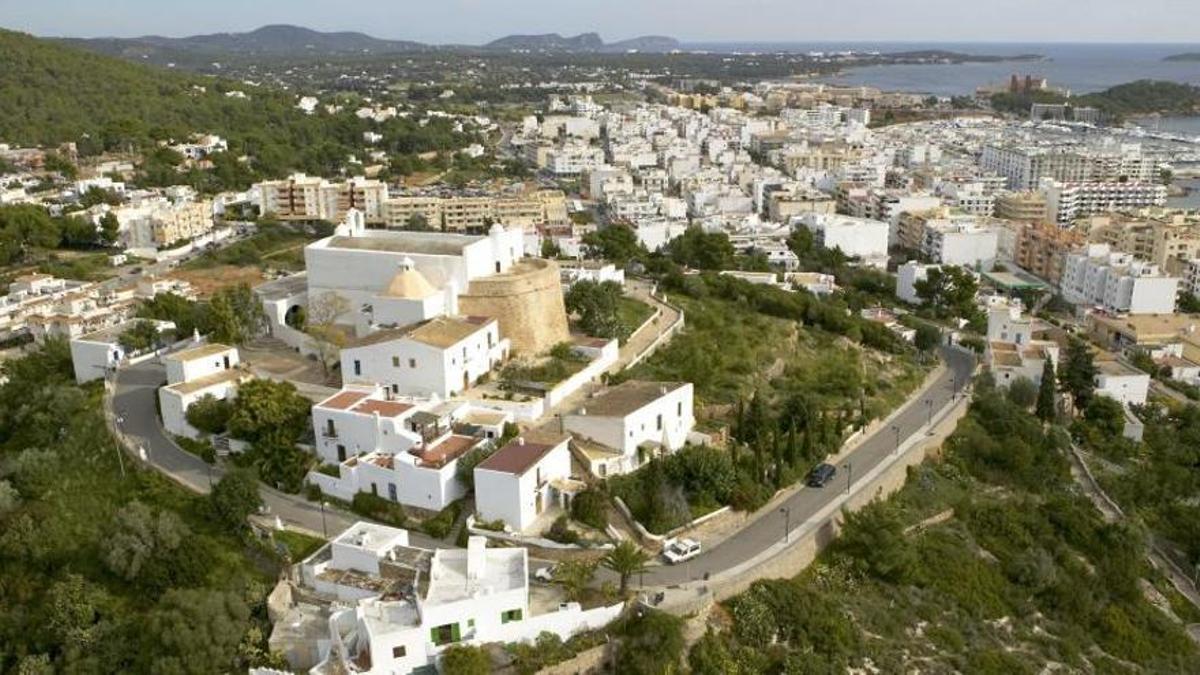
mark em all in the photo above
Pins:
pixel 440 525
pixel 590 507
pixel 377 508
pixel 560 531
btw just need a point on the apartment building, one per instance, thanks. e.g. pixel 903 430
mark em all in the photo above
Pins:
pixel 1026 166
pixel 1041 248
pixel 301 197
pixel 467 213
pixel 1117 282
pixel 962 242
pixel 861 238
pixel 1067 201
pixel 1027 206
pixel 1167 242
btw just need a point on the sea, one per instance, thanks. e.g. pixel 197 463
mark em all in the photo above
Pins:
pixel 1080 68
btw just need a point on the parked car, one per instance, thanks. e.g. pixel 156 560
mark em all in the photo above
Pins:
pixel 821 475
pixel 544 574
pixel 680 550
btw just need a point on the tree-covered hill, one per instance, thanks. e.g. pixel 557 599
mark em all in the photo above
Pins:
pixel 51 93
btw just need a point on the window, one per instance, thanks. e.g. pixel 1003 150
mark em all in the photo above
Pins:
pixel 658 423
pixel 330 429
pixel 395 361
pixel 445 634
pixel 357 367
pixel 399 652
pixel 679 409
pixel 412 363
pixel 341 450
pixel 511 615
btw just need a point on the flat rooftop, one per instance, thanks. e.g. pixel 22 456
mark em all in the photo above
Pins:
pixel 505 569
pixel 1117 369
pixel 283 288
pixel 627 397
pixel 1147 326
pixel 443 332
pixel 447 450
pixel 202 383
pixel 420 243
pixel 196 353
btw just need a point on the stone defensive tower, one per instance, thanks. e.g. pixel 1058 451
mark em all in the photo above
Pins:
pixel 528 302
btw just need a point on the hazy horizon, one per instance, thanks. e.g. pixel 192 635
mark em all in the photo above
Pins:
pixel 695 21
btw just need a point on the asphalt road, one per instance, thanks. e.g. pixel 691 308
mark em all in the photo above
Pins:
pixel 804 504
pixel 134 404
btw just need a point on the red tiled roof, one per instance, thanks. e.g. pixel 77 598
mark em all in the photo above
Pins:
pixel 384 408
pixel 450 449
pixel 344 400
pixel 517 457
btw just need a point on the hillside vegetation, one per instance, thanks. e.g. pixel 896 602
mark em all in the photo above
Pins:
pixel 987 562
pixel 1133 98
pixel 50 93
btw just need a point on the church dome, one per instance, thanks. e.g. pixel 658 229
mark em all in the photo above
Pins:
pixel 409 283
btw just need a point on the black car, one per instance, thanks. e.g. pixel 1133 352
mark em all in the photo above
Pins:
pixel 821 475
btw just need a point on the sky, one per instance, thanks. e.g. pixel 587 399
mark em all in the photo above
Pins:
pixel 477 21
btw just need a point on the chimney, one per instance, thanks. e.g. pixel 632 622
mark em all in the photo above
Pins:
pixel 476 558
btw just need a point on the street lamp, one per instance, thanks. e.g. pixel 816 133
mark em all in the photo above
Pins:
pixel 929 405
pixel 849 467
pixel 324 529
pixel 896 428
pixel 787 523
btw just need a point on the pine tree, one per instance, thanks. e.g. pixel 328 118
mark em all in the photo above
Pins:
pixel 1045 399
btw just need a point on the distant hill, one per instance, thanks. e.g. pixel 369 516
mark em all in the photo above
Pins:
pixel 50 93
pixel 281 41
pixel 584 42
pixel 1189 57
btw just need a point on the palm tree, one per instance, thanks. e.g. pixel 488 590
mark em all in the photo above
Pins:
pixel 626 560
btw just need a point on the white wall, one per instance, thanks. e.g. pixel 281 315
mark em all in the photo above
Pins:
pixel 513 499
pixel 92 359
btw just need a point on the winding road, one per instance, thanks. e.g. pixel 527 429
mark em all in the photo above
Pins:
pixel 134 405
pixel 766 530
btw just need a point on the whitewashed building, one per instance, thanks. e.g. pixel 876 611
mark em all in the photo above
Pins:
pixel 205 370
pixel 441 357
pixel 377 605
pixel 621 428
pixel 518 482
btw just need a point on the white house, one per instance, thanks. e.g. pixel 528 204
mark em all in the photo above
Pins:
pixel 206 370
pixel 621 428
pixel 405 450
pixel 377 605
pixel 1127 385
pixel 522 479
pixel 94 354
pixel 861 238
pixel 441 357
pixel 907 276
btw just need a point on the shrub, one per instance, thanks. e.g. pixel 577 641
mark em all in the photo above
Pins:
pixel 377 508
pixel 440 525
pixel 590 507
pixel 561 532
